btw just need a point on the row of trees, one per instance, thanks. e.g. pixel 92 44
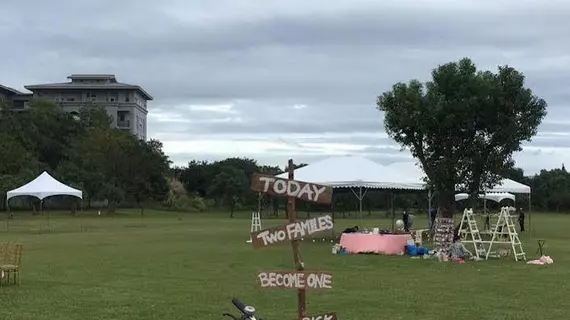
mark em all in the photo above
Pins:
pixel 84 151
pixel 226 184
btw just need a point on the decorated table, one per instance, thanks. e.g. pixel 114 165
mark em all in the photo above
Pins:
pixel 387 244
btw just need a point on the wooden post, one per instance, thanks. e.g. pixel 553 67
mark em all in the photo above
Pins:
pixel 292 212
pixel 294 231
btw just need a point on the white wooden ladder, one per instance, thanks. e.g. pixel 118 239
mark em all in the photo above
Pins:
pixel 470 231
pixel 255 223
pixel 506 232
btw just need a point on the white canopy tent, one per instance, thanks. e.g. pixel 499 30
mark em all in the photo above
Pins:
pixel 496 197
pixel 355 173
pixel 508 185
pixel 44 186
pixel 412 172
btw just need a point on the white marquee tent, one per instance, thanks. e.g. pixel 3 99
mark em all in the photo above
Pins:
pixel 411 172
pixel 44 186
pixel 356 173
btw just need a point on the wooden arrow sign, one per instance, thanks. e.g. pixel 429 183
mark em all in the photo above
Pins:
pixel 324 316
pixel 312 280
pixel 291 188
pixel 291 231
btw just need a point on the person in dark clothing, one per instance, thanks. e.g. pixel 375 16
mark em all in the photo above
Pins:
pixel 406 218
pixel 351 230
pixel 487 224
pixel 521 219
pixel 432 216
pixel 457 232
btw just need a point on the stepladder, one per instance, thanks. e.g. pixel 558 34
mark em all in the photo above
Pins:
pixel 469 230
pixel 255 223
pixel 505 233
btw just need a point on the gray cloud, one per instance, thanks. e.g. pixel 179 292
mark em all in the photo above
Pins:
pixel 264 58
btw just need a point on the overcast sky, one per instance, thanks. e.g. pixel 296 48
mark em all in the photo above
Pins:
pixel 288 78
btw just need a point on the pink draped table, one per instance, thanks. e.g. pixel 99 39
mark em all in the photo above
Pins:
pixel 387 244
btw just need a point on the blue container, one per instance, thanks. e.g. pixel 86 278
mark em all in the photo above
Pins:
pixel 412 250
pixel 422 251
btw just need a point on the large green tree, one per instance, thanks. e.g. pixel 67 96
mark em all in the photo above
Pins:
pixel 463 126
pixel 231 187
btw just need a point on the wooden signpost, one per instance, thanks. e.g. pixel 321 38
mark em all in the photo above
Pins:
pixel 298 279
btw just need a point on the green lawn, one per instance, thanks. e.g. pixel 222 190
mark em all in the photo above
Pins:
pixel 165 268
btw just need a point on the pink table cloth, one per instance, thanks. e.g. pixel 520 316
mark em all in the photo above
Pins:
pixel 387 244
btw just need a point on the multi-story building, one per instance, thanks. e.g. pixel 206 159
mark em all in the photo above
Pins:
pixel 125 103
pixel 13 98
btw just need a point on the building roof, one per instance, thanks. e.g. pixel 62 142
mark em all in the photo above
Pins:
pixel 10 90
pixel 113 84
pixel 91 76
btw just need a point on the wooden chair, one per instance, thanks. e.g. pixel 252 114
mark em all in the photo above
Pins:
pixel 10 264
pixel 3 248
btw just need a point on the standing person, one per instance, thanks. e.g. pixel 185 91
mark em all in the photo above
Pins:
pixel 406 218
pixel 487 224
pixel 521 219
pixel 432 216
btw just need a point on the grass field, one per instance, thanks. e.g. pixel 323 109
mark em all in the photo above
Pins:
pixel 164 268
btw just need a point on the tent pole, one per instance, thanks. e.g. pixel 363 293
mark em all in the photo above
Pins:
pixel 393 212
pixel 7 214
pixel 81 215
pixel 259 195
pixel 360 203
pixel 360 195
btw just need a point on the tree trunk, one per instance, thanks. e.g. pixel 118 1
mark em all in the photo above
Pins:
pixel 473 201
pixel 446 203
pixel 111 207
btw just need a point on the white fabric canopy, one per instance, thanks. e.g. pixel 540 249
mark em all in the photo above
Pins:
pixel 409 171
pixel 354 172
pixel 497 197
pixel 44 186
pixel 508 185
